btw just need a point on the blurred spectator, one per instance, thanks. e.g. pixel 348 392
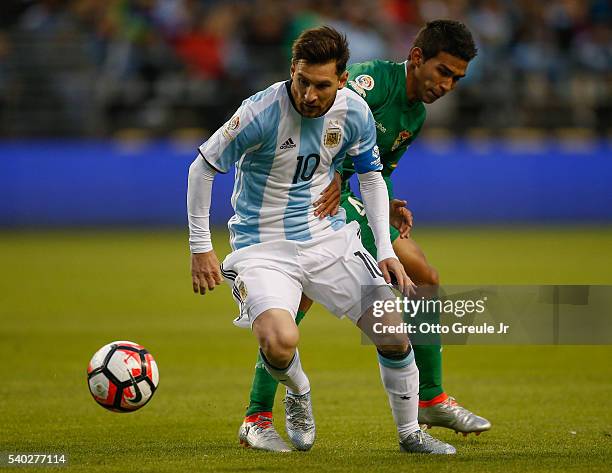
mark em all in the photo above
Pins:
pixel 84 67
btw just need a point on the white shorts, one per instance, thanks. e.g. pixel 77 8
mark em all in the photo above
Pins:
pixel 334 270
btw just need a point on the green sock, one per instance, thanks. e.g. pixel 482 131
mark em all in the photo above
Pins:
pixel 264 386
pixel 429 361
pixel 428 356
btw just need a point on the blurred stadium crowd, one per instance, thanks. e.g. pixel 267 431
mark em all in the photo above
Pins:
pixel 96 67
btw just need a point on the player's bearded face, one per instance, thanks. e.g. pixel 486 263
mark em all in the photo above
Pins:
pixel 438 76
pixel 314 87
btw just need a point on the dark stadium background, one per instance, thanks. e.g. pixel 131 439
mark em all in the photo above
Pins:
pixel 107 100
pixel 102 106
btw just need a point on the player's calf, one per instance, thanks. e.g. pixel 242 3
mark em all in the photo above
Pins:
pixel 300 422
pixel 278 337
pixel 400 378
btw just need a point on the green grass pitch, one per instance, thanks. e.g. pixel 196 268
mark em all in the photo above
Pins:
pixel 65 294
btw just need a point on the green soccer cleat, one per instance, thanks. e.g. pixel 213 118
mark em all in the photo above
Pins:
pixel 258 432
pixel 451 415
pixel 300 422
pixel 422 442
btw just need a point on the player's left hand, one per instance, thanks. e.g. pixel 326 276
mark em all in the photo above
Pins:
pixel 400 217
pixel 329 201
pixel 394 272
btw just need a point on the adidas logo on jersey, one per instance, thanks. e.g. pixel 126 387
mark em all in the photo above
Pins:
pixel 289 144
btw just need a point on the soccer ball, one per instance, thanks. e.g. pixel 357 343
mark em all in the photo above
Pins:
pixel 122 376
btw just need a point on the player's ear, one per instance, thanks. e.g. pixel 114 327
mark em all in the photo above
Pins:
pixel 342 79
pixel 416 56
pixel 292 69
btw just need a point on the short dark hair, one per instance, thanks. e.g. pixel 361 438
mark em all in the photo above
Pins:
pixel 448 36
pixel 320 46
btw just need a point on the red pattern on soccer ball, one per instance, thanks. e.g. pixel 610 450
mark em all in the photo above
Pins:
pixel 122 376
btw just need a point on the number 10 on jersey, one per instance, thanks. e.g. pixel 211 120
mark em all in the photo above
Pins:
pixel 306 167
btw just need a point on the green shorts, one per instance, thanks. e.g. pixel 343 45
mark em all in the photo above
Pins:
pixel 356 212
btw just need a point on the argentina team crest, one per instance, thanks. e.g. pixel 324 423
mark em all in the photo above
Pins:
pixel 333 135
pixel 403 136
pixel 242 290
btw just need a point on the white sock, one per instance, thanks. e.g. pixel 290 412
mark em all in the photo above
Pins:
pixel 401 381
pixel 293 377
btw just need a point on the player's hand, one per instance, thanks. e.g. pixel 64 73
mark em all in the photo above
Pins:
pixel 329 201
pixel 400 217
pixel 394 273
pixel 205 272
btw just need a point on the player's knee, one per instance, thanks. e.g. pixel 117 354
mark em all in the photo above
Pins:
pixel 279 346
pixel 431 277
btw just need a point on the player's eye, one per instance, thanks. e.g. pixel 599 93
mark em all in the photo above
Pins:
pixel 302 82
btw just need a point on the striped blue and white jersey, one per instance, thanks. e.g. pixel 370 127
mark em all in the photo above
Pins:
pixel 284 161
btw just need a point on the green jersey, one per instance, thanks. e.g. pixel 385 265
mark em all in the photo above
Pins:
pixel 382 84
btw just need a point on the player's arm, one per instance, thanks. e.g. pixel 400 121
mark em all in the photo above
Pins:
pixel 400 216
pixel 205 273
pixel 218 154
pixel 376 203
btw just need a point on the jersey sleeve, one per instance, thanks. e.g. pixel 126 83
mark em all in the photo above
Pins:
pixel 364 152
pixel 240 134
pixel 368 79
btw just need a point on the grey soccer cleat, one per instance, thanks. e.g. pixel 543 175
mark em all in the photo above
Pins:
pixel 451 415
pixel 300 422
pixel 258 432
pixel 422 442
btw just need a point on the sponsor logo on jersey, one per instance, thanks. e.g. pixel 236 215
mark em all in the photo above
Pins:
pixel 333 135
pixel 289 144
pixel 357 88
pixel 231 126
pixel 365 81
pixel 381 127
pixel 403 136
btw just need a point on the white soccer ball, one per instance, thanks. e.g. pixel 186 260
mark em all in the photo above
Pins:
pixel 122 376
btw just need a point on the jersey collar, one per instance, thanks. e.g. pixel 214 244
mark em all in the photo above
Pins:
pixel 406 103
pixel 288 87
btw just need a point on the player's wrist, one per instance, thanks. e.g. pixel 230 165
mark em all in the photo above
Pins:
pixel 199 248
pixel 385 253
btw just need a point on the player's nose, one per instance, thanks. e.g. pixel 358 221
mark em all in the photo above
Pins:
pixel 310 96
